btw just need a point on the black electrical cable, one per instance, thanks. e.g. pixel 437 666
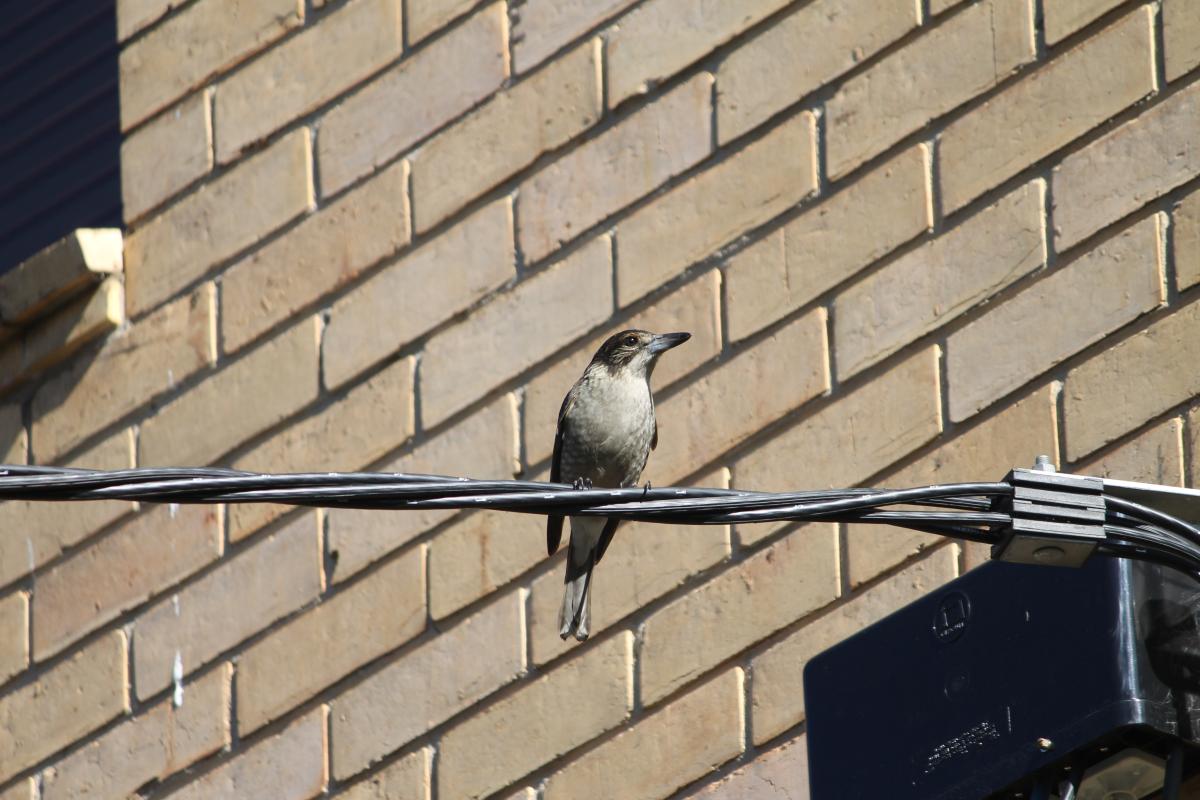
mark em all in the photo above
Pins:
pixel 1154 517
pixel 1119 522
pixel 972 511
pixel 403 490
pixel 1156 542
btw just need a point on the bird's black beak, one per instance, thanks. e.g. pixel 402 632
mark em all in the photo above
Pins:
pixel 665 341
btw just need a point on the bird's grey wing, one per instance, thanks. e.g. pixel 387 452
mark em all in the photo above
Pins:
pixel 606 535
pixel 654 437
pixel 554 524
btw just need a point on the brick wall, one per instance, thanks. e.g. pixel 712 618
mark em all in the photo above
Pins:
pixel 914 240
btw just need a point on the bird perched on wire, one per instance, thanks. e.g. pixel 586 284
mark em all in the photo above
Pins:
pixel 606 430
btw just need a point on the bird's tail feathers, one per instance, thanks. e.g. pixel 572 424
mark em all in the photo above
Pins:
pixel 575 615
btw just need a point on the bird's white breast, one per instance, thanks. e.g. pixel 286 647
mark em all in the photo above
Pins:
pixel 611 425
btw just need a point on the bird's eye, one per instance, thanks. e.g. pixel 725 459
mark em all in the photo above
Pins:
pixel 630 340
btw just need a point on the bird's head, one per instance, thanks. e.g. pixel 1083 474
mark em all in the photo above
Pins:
pixel 636 351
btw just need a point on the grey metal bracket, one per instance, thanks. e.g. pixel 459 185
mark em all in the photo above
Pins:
pixel 1057 519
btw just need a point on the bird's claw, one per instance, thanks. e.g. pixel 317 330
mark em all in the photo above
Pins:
pixel 582 484
pixel 646 489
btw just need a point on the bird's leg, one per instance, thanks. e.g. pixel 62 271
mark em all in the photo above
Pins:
pixel 582 484
pixel 646 489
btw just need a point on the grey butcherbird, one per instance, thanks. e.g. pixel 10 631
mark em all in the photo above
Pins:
pixel 606 430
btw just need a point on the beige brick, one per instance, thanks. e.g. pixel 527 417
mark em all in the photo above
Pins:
pixel 737 608
pixel 1064 17
pixel 517 126
pixel 14 634
pixel 291 765
pixel 671 748
pixel 323 253
pixel 57 338
pixel 410 778
pixel 1153 456
pixel 541 27
pixel 67 702
pixel 14 439
pixel 1004 348
pixel 793 265
pixel 1084 87
pixel 661 37
pixel 869 428
pixel 1130 166
pixel 515 330
pixel 389 604
pixel 212 36
pixel 258 391
pixel 751 390
pixel 1131 382
pixel 426 16
pixel 24 789
pixel 694 307
pixel 753 533
pixel 304 72
pixel 931 285
pixel 777 693
pixel 428 685
pixel 413 99
pixel 218 220
pixel 708 211
pixel 59 272
pixel 452 272
pixel 938 6
pixel 38 531
pixel 801 52
pixel 482 446
pixel 778 774
pixel 480 553
pixel 245 594
pixel 974 554
pixel 155 744
pixel 555 713
pixel 1185 241
pixel 633 573
pixel 936 73
pixel 166 155
pixel 986 452
pixel 127 567
pixel 133 15
pixel 1181 37
pixel 607 173
pixel 351 434
pixel 151 356
pixel 1193 422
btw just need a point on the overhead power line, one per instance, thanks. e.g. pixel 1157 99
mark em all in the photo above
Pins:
pixel 1051 518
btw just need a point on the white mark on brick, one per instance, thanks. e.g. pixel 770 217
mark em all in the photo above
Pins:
pixel 173 509
pixel 175 603
pixel 177 676
pixel 170 378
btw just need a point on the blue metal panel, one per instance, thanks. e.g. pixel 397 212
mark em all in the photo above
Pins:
pixel 60 139
pixel 950 696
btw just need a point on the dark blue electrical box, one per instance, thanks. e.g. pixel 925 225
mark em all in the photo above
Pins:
pixel 1008 672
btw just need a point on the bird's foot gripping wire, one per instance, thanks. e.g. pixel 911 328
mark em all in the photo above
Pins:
pixel 581 484
pixel 646 489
